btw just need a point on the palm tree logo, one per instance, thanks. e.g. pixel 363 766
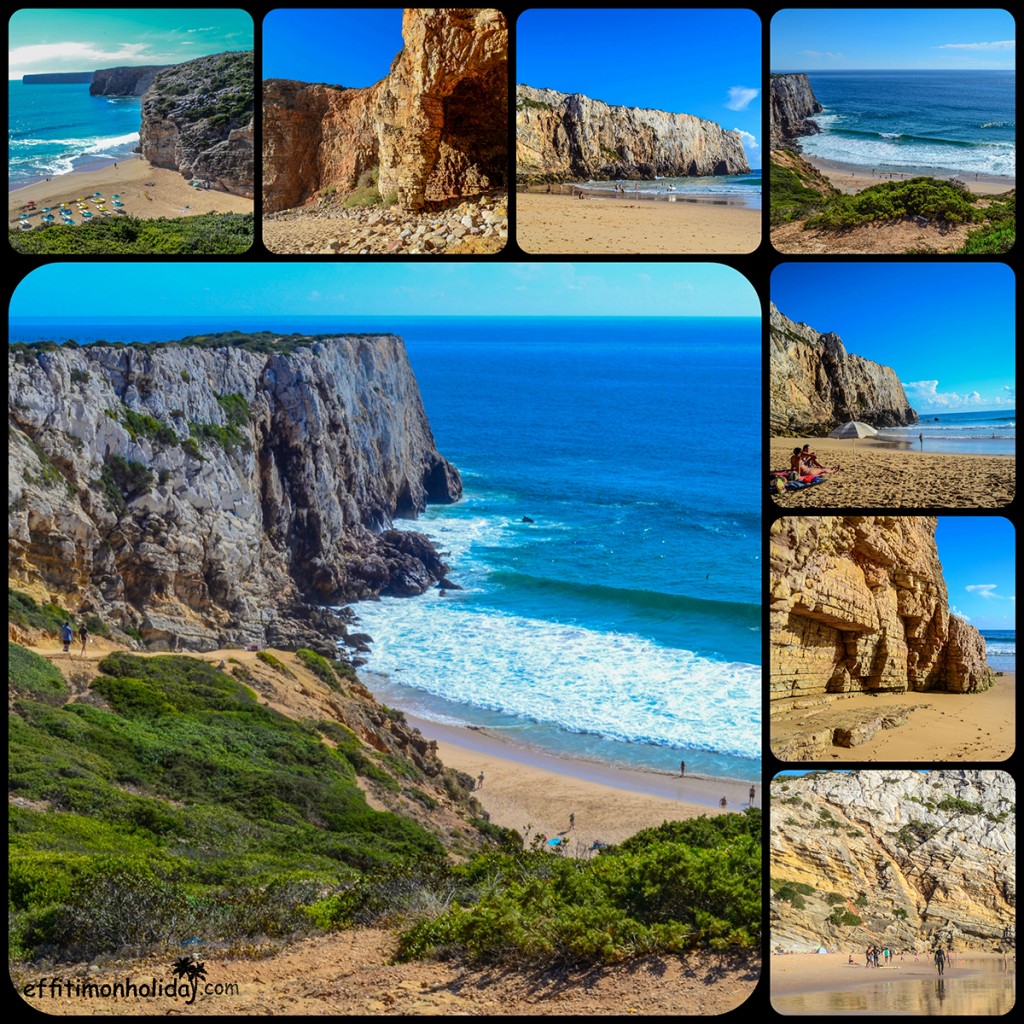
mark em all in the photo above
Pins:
pixel 189 967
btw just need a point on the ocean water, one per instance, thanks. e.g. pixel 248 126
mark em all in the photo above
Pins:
pixel 739 189
pixel 916 122
pixel 55 129
pixel 623 624
pixel 1001 649
pixel 977 433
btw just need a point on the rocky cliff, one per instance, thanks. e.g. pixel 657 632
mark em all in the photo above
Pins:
pixel 220 492
pixel 859 603
pixel 902 858
pixel 815 384
pixel 125 81
pixel 563 137
pixel 792 102
pixel 197 118
pixel 436 126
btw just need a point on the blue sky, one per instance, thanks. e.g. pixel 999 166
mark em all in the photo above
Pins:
pixel 978 555
pixel 55 39
pixel 818 40
pixel 947 329
pixel 706 63
pixel 410 289
pixel 354 48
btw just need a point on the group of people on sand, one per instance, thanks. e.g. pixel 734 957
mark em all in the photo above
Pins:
pixel 804 462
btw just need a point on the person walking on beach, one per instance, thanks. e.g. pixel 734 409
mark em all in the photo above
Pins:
pixel 83 635
pixel 682 768
pixel 480 781
pixel 752 793
pixel 572 821
pixel 940 960
pixel 723 802
pixel 66 636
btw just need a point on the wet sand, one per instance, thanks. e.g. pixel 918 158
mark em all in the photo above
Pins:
pixel 875 474
pixel 942 727
pixel 851 179
pixel 528 788
pixel 562 224
pixel 147 192
pixel 974 983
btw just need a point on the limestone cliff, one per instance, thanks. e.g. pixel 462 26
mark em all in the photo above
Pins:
pixel 859 603
pixel 436 126
pixel 792 102
pixel 815 385
pixel 197 118
pixel 916 858
pixel 220 491
pixel 563 137
pixel 125 81
pixel 58 78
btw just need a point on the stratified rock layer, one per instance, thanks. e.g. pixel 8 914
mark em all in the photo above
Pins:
pixel 218 495
pixel 197 118
pixel 565 136
pixel 436 126
pixel 815 385
pixel 858 603
pixel 792 102
pixel 132 81
pixel 919 858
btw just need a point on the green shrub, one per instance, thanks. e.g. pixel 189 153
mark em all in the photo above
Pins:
pixel 834 898
pixel 936 200
pixel 789 198
pixel 861 900
pixel 275 663
pixel 24 611
pixel 30 674
pixel 319 666
pixel 958 806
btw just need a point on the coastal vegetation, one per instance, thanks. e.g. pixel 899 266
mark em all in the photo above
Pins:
pixel 206 234
pixel 168 801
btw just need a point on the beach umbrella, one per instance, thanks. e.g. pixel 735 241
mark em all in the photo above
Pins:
pixel 854 429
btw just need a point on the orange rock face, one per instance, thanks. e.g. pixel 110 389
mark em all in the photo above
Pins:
pixel 436 126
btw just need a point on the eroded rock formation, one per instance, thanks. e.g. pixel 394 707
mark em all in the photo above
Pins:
pixel 197 118
pixel 125 81
pixel 563 137
pixel 436 126
pixel 859 603
pixel 206 495
pixel 792 103
pixel 815 384
pixel 917 858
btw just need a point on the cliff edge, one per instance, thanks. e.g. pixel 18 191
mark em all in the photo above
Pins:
pixel 566 136
pixel 197 118
pixel 792 103
pixel 859 603
pixel 128 81
pixel 815 384
pixel 218 492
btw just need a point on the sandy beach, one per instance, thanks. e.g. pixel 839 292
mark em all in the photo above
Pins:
pixel 942 726
pixel 875 474
pixel 855 179
pixel 524 787
pixel 562 224
pixel 169 194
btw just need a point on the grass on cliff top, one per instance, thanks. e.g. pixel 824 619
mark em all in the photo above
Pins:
pixel 205 234
pixel 179 807
pixel 998 234
pixel 789 198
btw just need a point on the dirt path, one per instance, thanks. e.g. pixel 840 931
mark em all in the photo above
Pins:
pixel 349 973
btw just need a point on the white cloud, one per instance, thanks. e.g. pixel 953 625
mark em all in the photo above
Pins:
pixel 1001 44
pixel 207 28
pixel 70 56
pixel 749 141
pixel 925 396
pixel 740 97
pixel 959 614
pixel 983 590
pixel 824 53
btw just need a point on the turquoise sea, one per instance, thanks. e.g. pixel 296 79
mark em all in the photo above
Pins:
pixel 55 129
pixel 623 622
